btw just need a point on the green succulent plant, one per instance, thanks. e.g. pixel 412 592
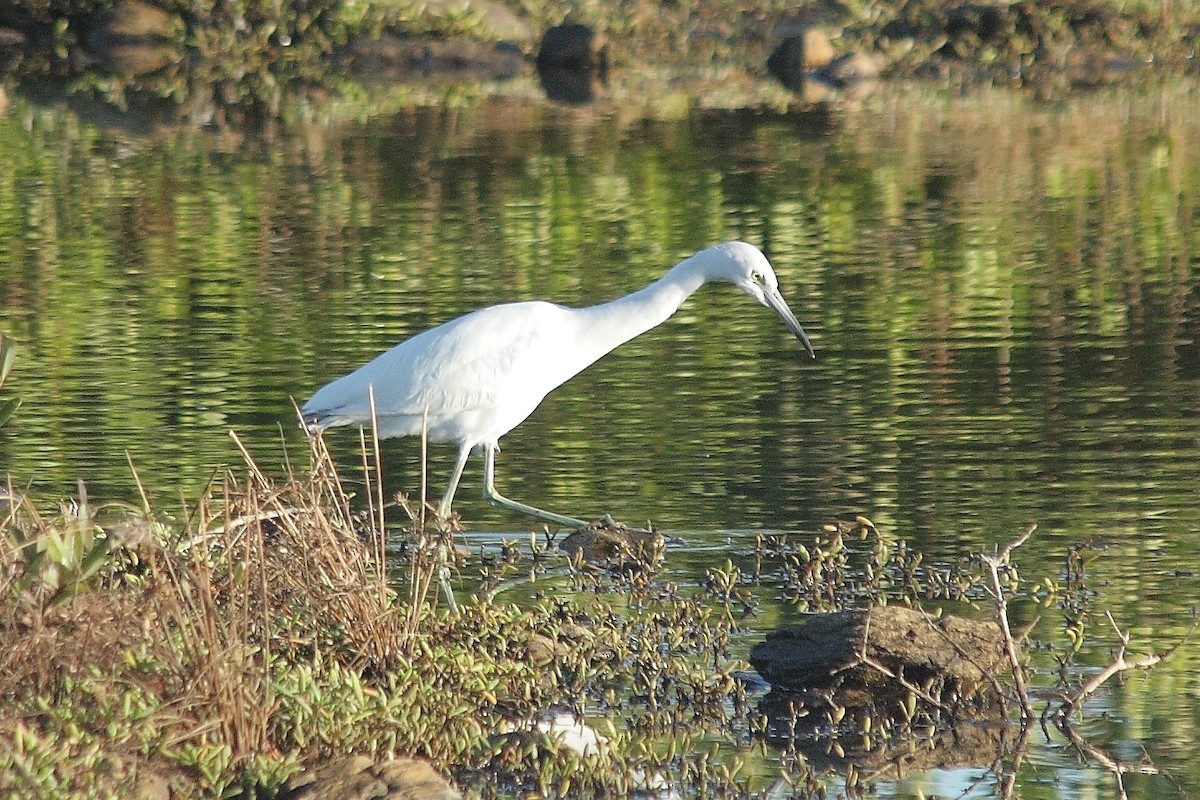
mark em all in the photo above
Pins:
pixel 8 354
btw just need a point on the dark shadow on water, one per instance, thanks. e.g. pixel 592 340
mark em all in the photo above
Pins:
pixel 572 86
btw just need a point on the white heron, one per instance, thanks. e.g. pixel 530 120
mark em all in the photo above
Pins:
pixel 473 379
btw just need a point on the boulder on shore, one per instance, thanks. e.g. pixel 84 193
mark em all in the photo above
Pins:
pixel 573 46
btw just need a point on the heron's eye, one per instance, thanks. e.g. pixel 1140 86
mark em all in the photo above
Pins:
pixel 757 277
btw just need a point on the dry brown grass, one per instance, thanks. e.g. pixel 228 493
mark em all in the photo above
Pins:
pixel 192 618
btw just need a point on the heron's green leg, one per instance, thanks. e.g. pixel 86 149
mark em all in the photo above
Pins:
pixel 455 477
pixel 443 573
pixel 496 499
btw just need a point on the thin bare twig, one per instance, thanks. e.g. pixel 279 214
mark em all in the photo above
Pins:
pixel 381 539
pixel 883 669
pixel 994 564
pixel 1120 663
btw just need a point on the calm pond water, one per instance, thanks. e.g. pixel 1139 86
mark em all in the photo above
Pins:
pixel 1004 297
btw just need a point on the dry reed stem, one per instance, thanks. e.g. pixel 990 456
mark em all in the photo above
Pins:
pixel 266 568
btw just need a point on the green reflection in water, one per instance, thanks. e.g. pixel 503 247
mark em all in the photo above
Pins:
pixel 1005 330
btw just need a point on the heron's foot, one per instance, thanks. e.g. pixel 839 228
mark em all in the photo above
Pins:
pixel 495 498
pixel 443 577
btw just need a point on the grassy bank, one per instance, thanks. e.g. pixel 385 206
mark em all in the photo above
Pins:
pixel 265 628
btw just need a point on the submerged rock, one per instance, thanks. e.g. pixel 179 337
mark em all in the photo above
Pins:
pixel 360 778
pixel 614 546
pixel 865 654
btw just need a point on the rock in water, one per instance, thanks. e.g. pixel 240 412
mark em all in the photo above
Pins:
pixel 360 778
pixel 613 546
pixel 870 650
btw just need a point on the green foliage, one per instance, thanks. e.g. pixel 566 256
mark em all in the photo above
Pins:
pixel 60 557
pixel 8 354
pixel 244 60
pixel 233 659
pixel 230 58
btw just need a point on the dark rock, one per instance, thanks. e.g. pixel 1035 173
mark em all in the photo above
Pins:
pixel 573 46
pixel 853 652
pixel 798 55
pixel 400 58
pixel 135 38
pixel 360 778
pixel 573 86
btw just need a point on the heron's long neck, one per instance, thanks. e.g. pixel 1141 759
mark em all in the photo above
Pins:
pixel 618 321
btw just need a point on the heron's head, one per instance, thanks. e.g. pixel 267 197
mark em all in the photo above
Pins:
pixel 747 268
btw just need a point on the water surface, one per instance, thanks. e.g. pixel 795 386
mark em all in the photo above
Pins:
pixel 1003 295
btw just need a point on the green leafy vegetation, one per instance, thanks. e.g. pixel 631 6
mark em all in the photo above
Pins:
pixel 260 60
pixel 267 634
pixel 8 356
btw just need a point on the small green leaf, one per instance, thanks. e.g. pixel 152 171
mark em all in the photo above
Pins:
pixel 92 561
pixel 8 354
pixel 8 406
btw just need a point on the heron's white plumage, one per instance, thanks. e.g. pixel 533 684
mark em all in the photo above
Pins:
pixel 460 374
pixel 473 379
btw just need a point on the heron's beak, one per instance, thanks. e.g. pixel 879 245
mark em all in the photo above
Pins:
pixel 776 303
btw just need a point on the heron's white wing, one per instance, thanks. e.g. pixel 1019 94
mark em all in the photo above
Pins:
pixel 488 369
